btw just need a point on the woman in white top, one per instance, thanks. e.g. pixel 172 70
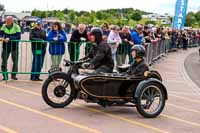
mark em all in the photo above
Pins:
pixel 114 40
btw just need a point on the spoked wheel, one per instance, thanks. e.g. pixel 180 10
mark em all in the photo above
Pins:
pixel 151 100
pixel 57 91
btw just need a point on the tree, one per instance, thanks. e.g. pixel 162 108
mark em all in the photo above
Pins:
pixel 66 11
pixel 2 7
pixel 33 13
pixel 136 16
pixel 190 19
pixel 99 15
pixel 150 22
pixel 197 16
pixel 125 16
pixel 36 13
pixel 43 14
pixel 60 15
pixel 72 16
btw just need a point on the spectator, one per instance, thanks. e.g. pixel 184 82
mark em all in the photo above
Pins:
pixel 146 34
pixel 78 35
pixel 57 38
pixel 22 26
pixel 38 49
pixel 106 31
pixel 173 37
pixel 114 40
pixel 10 31
pixel 125 47
pixel 67 28
pixel 179 38
pixel 185 40
pixel 46 27
pixel 166 32
pixel 137 35
pixel 1 22
pixel 154 35
pixel 89 27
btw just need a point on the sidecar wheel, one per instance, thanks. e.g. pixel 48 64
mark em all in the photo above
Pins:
pixel 57 92
pixel 151 100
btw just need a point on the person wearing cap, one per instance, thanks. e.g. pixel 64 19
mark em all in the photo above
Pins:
pixel 9 32
pixel 137 35
pixel 38 46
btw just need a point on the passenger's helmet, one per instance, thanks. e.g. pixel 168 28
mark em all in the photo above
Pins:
pixel 140 51
pixel 97 32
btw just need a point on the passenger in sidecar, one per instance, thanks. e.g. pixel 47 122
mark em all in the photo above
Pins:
pixel 138 67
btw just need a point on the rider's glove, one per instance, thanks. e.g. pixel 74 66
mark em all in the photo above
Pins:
pixel 86 65
pixel 91 66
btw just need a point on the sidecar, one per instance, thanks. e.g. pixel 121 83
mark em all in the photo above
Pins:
pixel 147 92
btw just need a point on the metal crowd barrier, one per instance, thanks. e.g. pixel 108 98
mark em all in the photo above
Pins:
pixel 197 40
pixel 156 50
pixel 193 41
pixel 23 55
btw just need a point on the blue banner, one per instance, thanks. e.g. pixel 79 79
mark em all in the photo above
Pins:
pixel 180 14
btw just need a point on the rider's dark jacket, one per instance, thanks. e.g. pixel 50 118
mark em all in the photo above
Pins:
pixel 100 55
pixel 138 68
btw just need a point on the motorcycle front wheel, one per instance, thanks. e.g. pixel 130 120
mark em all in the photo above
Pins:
pixel 57 92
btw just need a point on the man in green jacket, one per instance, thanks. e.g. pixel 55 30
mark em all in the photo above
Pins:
pixel 9 32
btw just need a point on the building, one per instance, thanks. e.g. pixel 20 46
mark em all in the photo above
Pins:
pixel 157 17
pixel 16 16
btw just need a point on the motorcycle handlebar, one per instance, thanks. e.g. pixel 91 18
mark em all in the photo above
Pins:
pixel 79 62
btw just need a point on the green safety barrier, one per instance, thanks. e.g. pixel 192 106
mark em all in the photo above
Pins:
pixel 23 51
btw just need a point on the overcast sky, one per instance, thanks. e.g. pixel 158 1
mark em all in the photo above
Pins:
pixel 157 6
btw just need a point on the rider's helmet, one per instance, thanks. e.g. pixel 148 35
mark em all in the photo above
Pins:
pixel 140 51
pixel 97 32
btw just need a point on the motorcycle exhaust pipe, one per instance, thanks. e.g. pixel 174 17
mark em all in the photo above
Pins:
pixel 83 95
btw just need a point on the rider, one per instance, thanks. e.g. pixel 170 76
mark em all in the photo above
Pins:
pixel 138 67
pixel 100 57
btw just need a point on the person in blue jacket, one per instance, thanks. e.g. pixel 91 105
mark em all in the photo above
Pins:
pixel 136 35
pixel 57 38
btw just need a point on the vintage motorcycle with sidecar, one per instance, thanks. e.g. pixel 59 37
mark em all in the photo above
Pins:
pixel 146 93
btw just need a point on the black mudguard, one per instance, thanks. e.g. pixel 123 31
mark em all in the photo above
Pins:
pixel 59 73
pixel 142 83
